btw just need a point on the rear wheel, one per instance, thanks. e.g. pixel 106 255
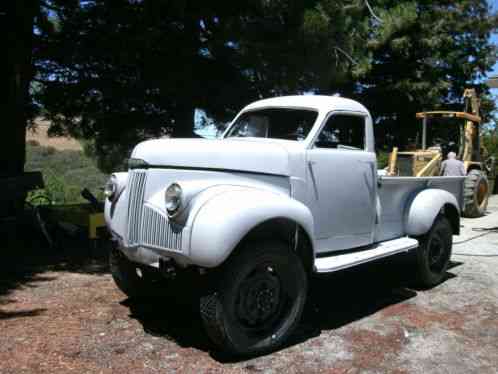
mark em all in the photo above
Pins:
pixel 476 194
pixel 434 253
pixel 258 301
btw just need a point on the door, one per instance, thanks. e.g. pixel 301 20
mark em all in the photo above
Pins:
pixel 342 177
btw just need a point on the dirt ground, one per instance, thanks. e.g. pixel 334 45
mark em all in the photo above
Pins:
pixel 60 312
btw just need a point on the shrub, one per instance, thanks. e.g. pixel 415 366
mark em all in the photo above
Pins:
pixel 33 143
pixel 382 159
pixel 65 174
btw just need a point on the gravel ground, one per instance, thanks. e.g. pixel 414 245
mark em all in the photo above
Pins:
pixel 60 312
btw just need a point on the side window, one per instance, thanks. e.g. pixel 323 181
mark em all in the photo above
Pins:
pixel 342 131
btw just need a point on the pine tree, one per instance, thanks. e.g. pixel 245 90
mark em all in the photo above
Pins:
pixel 119 71
pixel 421 56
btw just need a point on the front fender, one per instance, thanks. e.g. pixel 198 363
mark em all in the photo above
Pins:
pixel 423 209
pixel 226 218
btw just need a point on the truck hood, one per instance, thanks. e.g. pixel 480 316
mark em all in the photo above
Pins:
pixel 256 155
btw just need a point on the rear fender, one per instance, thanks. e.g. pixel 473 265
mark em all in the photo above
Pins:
pixel 223 221
pixel 423 209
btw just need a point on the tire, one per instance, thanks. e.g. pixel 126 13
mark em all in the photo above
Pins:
pixel 258 301
pixel 476 194
pixel 125 275
pixel 434 253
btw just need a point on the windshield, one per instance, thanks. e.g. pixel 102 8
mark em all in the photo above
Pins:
pixel 277 123
pixel 444 133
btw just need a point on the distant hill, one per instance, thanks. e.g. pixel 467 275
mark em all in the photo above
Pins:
pixel 61 143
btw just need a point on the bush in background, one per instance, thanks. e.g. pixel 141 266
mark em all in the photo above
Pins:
pixel 382 159
pixel 65 173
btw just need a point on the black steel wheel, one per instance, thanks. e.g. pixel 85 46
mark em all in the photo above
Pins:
pixel 434 253
pixel 258 301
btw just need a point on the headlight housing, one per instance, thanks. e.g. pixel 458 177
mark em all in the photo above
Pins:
pixel 173 198
pixel 111 188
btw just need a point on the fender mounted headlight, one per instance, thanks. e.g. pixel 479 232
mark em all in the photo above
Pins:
pixel 173 198
pixel 111 188
pixel 115 186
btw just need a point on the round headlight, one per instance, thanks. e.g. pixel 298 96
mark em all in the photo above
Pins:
pixel 111 187
pixel 173 198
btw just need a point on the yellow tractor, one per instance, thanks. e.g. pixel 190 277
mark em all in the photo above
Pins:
pixel 462 137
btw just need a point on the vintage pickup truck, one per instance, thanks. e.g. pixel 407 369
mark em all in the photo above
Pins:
pixel 291 189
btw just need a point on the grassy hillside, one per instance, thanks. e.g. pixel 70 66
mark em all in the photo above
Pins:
pixel 66 173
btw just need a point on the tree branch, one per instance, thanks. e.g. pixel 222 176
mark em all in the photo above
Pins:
pixel 348 56
pixel 45 4
pixel 372 12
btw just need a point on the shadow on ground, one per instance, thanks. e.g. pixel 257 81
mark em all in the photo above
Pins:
pixel 26 256
pixel 334 301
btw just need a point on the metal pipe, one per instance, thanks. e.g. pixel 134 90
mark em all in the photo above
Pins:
pixel 424 132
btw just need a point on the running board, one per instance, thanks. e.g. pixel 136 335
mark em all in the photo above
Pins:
pixel 339 261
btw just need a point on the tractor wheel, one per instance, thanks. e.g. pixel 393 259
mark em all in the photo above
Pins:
pixel 476 194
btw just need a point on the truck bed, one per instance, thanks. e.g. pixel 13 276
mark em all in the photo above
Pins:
pixel 394 194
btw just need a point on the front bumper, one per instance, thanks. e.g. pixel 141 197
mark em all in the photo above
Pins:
pixel 150 256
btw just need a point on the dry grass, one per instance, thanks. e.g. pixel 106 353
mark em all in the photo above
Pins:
pixel 39 134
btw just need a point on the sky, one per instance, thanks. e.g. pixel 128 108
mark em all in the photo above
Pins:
pixel 494 37
pixel 494 40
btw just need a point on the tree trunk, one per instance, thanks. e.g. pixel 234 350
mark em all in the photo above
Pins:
pixel 184 123
pixel 16 19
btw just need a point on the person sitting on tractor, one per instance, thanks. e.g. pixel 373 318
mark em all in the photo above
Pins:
pixel 452 167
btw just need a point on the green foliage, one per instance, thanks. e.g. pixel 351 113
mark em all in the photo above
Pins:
pixel 65 174
pixel 114 157
pixel 121 72
pixel 382 159
pixel 425 54
pixel 116 73
pixel 490 141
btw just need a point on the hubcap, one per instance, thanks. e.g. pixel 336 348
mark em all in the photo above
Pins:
pixel 259 298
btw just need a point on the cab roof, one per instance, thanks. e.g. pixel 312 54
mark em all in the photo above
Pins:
pixel 320 103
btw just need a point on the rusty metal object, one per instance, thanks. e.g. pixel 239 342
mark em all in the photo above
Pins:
pixel 426 162
pixel 393 157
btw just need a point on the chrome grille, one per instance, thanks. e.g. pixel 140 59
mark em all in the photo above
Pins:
pixel 157 231
pixel 135 205
pixel 146 226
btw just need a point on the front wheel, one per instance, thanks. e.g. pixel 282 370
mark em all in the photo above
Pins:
pixel 434 253
pixel 259 299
